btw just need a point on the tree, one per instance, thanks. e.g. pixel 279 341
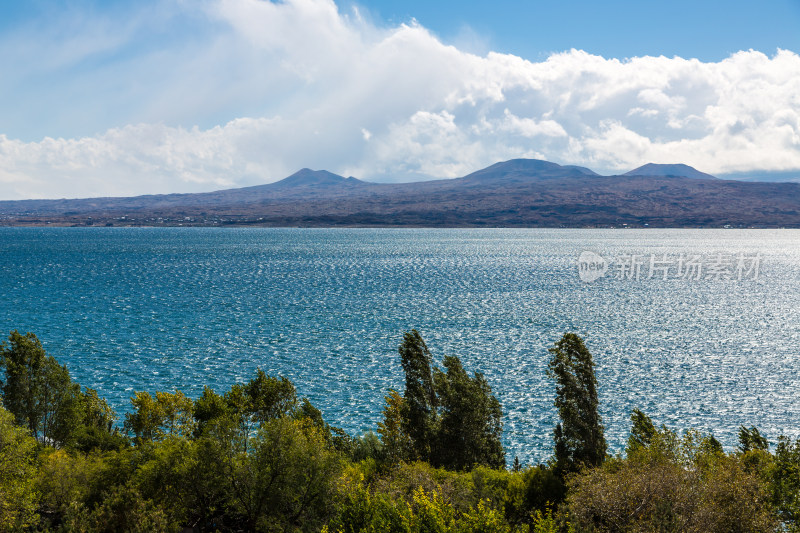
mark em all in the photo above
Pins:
pixel 208 410
pixel 579 437
pixel 446 418
pixel 471 420
pixel 784 476
pixel 751 439
pixel 166 414
pixel 39 392
pixel 338 438
pixel 396 441
pixel 289 480
pixel 22 359
pixel 17 470
pixel 236 416
pixel 124 510
pixel 643 431
pixel 419 416
pixel 269 397
pixel 61 404
pixel 96 411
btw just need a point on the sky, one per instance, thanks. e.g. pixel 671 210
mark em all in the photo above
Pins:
pixel 113 98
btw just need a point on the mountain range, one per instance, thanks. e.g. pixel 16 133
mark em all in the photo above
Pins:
pixel 515 193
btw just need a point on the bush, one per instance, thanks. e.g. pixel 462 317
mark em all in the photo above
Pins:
pixel 657 489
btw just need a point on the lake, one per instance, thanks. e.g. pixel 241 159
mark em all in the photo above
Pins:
pixel 698 328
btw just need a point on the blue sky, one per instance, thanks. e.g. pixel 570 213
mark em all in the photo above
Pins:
pixel 705 29
pixel 158 96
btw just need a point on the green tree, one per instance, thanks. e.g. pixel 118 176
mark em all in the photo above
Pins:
pixel 96 411
pixel 535 488
pixel 419 415
pixel 579 437
pixel 643 432
pixel 269 397
pixel 212 413
pixel 39 392
pixel 471 420
pixel 288 482
pixel 784 482
pixel 98 431
pixel 751 440
pixel 305 411
pixel 394 438
pixel 166 414
pixel 445 417
pixel 17 470
pixel 123 510
pixel 431 513
pixel 22 358
pixel 364 511
pixel 238 413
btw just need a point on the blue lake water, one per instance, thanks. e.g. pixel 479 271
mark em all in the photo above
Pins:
pixel 712 346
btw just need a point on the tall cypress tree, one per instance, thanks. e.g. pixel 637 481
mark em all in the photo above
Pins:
pixel 579 438
pixel 419 418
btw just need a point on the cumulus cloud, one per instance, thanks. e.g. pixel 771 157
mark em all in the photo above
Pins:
pixel 268 88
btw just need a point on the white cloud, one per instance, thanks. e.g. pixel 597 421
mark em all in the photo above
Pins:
pixel 300 84
pixel 528 127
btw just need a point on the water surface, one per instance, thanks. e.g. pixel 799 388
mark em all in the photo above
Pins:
pixel 131 309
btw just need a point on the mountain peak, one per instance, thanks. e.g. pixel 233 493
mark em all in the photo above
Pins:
pixel 517 170
pixel 671 170
pixel 315 178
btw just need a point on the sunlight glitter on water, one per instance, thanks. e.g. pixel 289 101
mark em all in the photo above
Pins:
pixel 165 309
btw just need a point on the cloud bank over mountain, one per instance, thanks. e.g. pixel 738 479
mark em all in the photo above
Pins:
pixel 259 89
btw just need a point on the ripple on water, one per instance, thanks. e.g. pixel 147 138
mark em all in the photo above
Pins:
pixel 165 309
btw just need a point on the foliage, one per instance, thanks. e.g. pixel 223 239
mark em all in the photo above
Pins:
pixel 400 483
pixel 97 431
pixel 368 447
pixel 397 442
pixel 643 431
pixel 43 398
pixel 122 510
pixel 362 511
pixel 208 410
pixel 62 479
pixel 17 491
pixel 237 415
pixel 545 522
pixel 579 437
pixel 258 458
pixel 784 482
pixel 38 391
pixel 154 418
pixel 534 489
pixel 483 519
pixel 669 483
pixel 423 510
pixel 419 420
pixel 471 424
pixel 447 418
pixel 750 439
pixel 288 481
